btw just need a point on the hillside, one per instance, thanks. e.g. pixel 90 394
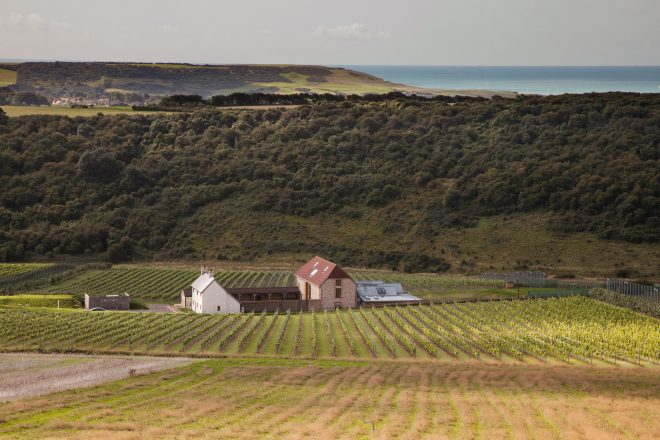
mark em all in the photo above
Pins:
pixel 566 183
pixel 119 83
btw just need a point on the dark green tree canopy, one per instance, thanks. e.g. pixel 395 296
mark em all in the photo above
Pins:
pixel 73 185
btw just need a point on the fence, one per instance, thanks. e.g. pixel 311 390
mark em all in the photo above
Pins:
pixel 634 289
pixel 39 274
pixel 531 279
pixel 295 305
pixel 535 294
pixel 538 279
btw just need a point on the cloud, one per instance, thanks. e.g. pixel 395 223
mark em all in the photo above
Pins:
pixel 265 31
pixel 353 31
pixel 34 22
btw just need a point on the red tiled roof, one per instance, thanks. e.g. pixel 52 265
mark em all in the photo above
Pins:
pixel 317 271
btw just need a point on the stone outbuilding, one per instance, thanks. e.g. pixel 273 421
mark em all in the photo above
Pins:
pixel 108 302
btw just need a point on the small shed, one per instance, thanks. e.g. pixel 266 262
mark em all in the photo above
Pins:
pixel 108 302
pixel 380 293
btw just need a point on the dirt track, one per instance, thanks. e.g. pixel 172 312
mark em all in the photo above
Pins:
pixel 28 375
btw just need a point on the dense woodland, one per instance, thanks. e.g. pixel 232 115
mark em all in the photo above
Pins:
pixel 134 186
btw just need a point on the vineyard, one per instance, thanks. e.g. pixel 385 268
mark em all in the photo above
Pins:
pixel 10 270
pixel 426 281
pixel 569 330
pixel 277 398
pixel 48 301
pixel 164 284
pixel 158 284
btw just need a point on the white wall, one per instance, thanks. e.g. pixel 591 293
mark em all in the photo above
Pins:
pixel 214 296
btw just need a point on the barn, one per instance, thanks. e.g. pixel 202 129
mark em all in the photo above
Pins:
pixel 327 282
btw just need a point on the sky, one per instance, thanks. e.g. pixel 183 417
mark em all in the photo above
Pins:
pixel 335 32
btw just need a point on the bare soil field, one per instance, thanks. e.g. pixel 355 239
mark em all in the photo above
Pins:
pixel 253 399
pixel 28 375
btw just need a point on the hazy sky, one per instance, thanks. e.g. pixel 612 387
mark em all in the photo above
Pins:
pixel 443 32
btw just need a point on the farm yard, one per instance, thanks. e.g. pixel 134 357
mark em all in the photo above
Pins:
pixel 270 398
pixel 565 330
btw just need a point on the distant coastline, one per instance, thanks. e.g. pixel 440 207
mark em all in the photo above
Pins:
pixel 548 80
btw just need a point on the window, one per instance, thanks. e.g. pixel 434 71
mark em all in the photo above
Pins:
pixel 337 292
pixel 337 305
pixel 338 283
pixel 219 310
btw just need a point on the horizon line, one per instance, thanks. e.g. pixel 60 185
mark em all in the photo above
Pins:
pixel 43 60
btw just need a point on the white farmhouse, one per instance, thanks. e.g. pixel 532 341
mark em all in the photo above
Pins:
pixel 208 296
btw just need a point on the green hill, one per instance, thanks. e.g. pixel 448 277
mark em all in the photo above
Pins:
pixel 567 183
pixel 112 83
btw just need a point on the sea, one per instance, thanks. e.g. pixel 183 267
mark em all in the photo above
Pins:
pixel 532 80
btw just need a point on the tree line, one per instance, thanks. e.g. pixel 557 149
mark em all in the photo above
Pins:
pixel 193 102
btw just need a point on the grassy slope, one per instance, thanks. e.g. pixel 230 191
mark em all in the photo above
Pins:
pixel 35 300
pixel 7 77
pixel 237 78
pixel 24 110
pixel 314 399
pixel 502 243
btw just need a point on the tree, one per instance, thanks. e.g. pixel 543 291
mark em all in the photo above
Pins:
pixel 98 166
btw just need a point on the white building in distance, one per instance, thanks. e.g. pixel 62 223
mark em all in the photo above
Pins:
pixel 208 296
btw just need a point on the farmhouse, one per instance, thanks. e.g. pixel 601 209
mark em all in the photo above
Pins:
pixel 208 296
pixel 375 293
pixel 327 282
